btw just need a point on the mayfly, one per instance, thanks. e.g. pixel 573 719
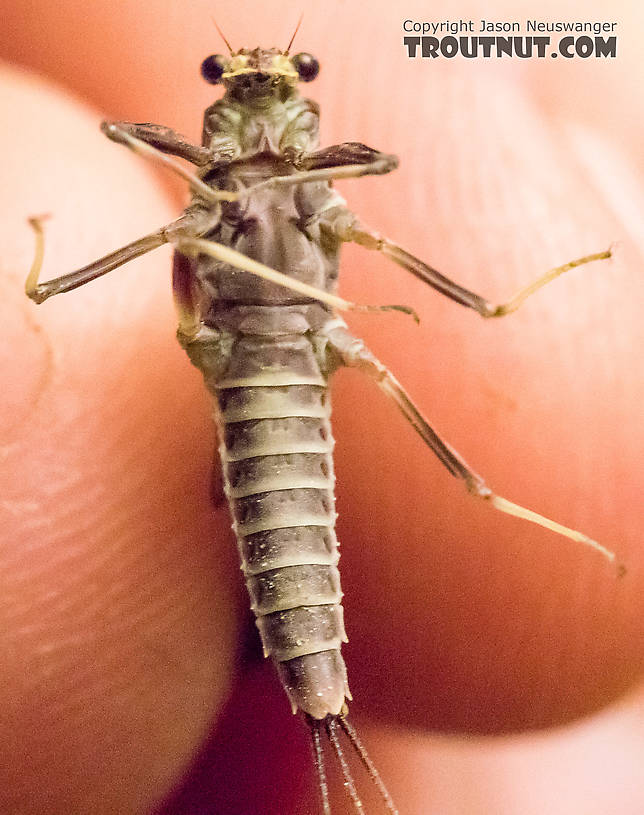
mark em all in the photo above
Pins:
pixel 254 281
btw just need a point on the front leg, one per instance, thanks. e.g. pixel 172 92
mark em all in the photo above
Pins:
pixel 350 153
pixel 162 138
pixel 117 134
pixel 348 160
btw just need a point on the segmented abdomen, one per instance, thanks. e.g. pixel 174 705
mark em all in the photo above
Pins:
pixel 278 475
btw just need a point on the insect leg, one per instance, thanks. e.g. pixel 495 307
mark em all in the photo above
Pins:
pixel 353 353
pixel 116 134
pixel 341 161
pixel 185 298
pixel 39 292
pixel 161 137
pixel 193 221
pixel 338 155
pixel 346 227
pixel 195 246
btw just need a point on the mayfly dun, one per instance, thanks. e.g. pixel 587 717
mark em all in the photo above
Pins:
pixel 254 281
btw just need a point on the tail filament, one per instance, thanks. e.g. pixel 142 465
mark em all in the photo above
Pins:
pixel 368 764
pixel 331 724
pixel 331 727
pixel 318 758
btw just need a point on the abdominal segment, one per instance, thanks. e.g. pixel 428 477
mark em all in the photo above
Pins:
pixel 276 454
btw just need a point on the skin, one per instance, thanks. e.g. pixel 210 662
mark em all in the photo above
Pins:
pixel 124 626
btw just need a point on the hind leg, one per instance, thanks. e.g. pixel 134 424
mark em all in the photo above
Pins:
pixel 354 354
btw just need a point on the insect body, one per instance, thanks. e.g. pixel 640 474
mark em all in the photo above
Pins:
pixel 255 272
pixel 264 354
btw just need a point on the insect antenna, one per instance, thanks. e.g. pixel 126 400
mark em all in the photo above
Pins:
pixel 297 28
pixel 318 758
pixel 331 726
pixel 221 34
pixel 368 764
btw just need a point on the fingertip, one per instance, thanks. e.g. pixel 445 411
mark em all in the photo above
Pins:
pixel 120 621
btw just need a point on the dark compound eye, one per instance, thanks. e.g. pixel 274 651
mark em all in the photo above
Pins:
pixel 306 66
pixel 212 68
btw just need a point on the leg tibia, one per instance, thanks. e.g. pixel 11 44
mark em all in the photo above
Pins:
pixel 194 221
pixel 39 292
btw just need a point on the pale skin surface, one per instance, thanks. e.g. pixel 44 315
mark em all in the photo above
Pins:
pixel 121 600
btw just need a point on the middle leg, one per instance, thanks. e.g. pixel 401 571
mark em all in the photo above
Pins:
pixel 345 226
